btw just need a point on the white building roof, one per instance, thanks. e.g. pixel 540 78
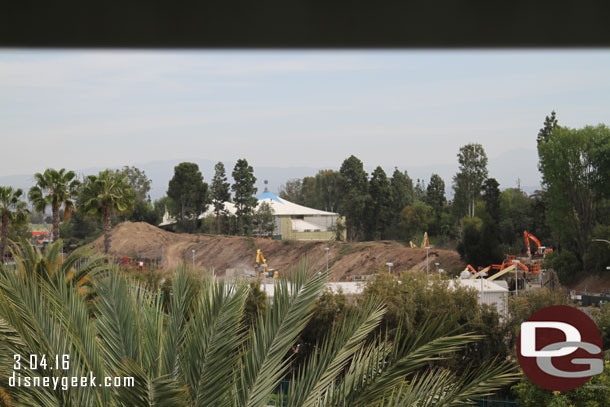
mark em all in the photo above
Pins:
pixel 281 207
pixel 229 208
pixel 488 286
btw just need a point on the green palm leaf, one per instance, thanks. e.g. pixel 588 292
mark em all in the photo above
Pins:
pixel 264 362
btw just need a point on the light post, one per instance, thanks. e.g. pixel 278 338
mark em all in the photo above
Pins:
pixel 427 264
pixel 515 262
pixel 327 249
pixel 389 267
pixel 437 264
pixel 193 250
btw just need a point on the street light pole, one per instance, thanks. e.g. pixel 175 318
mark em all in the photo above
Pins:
pixel 193 250
pixel 389 267
pixel 427 264
pixel 327 249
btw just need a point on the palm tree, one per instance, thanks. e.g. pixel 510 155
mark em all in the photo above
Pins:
pixel 77 269
pixel 54 188
pixel 104 194
pixel 197 352
pixel 13 211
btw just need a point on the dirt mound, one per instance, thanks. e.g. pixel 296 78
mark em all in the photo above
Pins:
pixel 141 240
pixel 591 284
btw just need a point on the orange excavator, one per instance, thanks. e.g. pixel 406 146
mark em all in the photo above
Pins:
pixel 541 251
pixel 508 265
pixel 477 273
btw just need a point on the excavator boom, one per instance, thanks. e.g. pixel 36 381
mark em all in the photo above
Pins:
pixel 261 260
pixel 540 249
pixel 482 272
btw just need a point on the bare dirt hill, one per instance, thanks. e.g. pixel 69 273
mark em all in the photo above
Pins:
pixel 141 240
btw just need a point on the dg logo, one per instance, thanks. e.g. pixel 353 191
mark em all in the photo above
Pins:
pixel 560 348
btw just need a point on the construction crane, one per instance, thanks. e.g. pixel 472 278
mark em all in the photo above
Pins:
pixel 261 261
pixel 540 250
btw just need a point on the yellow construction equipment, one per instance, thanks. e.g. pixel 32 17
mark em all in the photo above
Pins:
pixel 501 273
pixel 261 261
pixel 413 246
pixel 425 243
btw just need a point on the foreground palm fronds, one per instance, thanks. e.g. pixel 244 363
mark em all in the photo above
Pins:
pixel 193 349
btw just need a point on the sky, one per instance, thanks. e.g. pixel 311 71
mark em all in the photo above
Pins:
pixel 314 108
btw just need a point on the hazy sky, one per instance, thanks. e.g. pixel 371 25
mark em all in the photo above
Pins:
pixel 82 108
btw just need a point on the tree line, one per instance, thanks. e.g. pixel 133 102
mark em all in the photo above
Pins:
pixel 83 209
pixel 570 211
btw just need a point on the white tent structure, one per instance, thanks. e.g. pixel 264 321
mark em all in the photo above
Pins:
pixel 292 221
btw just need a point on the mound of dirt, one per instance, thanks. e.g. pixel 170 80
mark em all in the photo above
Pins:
pixel 141 240
pixel 591 284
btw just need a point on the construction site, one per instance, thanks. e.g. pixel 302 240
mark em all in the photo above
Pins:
pixel 222 255
pixel 143 246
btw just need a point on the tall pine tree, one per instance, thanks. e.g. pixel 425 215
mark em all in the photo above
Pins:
pixel 243 196
pixel 549 125
pixel 435 197
pixel 220 193
pixel 379 206
pixel 354 197
pixel 190 193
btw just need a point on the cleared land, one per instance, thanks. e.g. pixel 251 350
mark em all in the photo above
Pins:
pixel 141 240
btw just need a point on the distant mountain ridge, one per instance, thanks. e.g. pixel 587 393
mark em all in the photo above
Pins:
pixel 509 168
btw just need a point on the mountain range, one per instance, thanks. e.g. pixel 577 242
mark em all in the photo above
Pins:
pixel 511 169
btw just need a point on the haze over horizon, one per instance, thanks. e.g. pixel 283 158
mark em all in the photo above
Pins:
pixel 409 109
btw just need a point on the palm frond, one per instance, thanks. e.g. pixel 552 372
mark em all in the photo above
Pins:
pixel 147 391
pixel 183 294
pixel 264 362
pixel 324 366
pixel 117 320
pixel 212 342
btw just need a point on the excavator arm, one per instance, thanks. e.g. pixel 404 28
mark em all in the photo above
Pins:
pixel 501 273
pixel 540 249
pixel 481 273
pixel 529 236
pixel 260 259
